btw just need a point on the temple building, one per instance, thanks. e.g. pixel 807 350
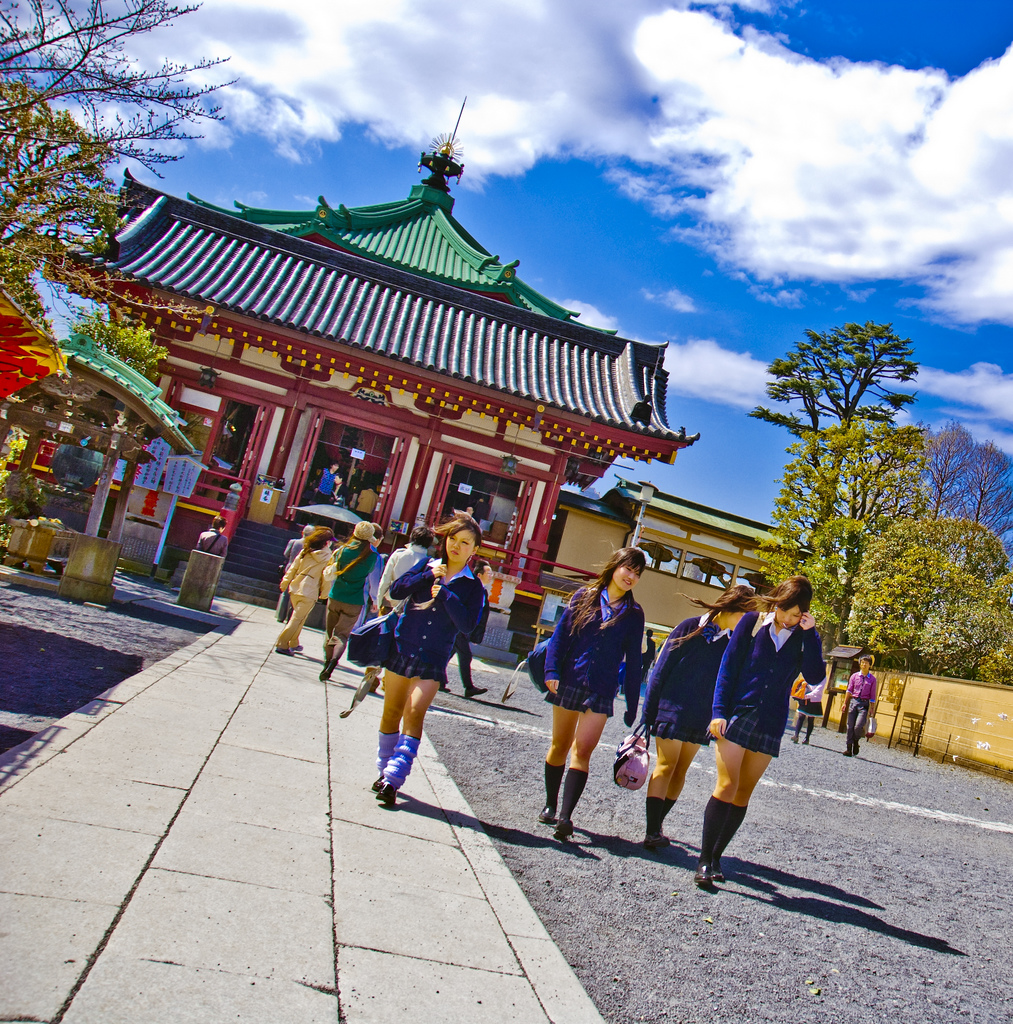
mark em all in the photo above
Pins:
pixel 383 345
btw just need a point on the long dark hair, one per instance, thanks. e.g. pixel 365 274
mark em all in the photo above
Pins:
pixel 794 592
pixel 458 523
pixel 587 600
pixel 739 598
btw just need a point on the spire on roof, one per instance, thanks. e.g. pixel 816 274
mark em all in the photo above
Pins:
pixel 445 159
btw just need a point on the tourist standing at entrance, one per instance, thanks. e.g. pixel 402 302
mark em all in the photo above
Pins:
pixel 442 598
pixel 862 691
pixel 304 581
pixel 601 628
pixel 680 693
pixel 214 541
pixel 762 660
pixel 483 573
pixel 329 484
pixel 353 562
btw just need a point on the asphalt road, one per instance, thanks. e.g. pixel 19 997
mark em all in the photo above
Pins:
pixel 56 656
pixel 858 889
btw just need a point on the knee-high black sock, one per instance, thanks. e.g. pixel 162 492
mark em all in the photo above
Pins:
pixel 553 778
pixel 655 814
pixel 798 724
pixel 733 819
pixel 809 728
pixel 713 826
pixel 669 804
pixel 572 788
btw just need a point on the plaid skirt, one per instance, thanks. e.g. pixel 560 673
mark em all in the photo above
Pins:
pixel 685 733
pixel 745 730
pixel 412 666
pixel 574 697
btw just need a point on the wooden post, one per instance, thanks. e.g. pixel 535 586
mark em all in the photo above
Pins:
pixel 120 509
pixel 921 727
pixel 102 488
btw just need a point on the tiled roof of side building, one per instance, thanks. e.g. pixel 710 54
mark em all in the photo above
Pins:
pixel 199 253
pixel 594 506
pixel 703 515
pixel 418 234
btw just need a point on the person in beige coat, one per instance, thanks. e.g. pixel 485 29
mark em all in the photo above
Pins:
pixel 304 581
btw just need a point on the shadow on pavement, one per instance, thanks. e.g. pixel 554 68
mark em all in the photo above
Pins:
pixel 540 840
pixel 788 880
pixel 834 913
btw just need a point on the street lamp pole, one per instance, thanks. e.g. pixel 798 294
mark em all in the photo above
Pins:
pixel 647 492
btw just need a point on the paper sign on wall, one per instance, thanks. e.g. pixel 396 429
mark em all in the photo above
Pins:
pixel 358 453
pixel 464 488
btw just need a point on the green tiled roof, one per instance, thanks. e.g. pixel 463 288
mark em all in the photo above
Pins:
pixel 418 234
pixel 131 387
pixel 704 515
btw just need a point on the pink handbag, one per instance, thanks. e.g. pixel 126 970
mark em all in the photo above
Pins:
pixel 633 761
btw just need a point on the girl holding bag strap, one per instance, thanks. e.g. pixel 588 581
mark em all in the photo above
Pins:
pixel 443 598
pixel 601 628
pixel 762 660
pixel 677 708
pixel 810 706
pixel 304 582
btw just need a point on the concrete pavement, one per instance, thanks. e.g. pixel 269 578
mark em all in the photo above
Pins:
pixel 200 844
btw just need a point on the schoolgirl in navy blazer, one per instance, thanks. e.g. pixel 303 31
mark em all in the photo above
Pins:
pixel 763 659
pixel 680 692
pixel 443 599
pixel 429 626
pixel 601 630
pixel 590 658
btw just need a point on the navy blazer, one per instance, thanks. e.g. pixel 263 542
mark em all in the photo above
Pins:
pixel 681 687
pixel 754 674
pixel 591 658
pixel 430 632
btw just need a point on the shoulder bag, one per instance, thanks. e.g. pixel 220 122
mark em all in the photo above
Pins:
pixel 370 643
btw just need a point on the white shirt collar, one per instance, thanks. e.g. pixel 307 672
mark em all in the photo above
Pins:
pixel 466 571
pixel 779 636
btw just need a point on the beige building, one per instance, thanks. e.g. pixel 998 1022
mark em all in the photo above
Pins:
pixel 693 550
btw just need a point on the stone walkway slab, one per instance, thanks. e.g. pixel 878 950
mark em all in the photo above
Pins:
pixel 201 845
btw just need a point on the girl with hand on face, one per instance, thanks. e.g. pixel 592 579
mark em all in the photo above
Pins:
pixel 677 708
pixel 763 659
pixel 443 598
pixel 602 626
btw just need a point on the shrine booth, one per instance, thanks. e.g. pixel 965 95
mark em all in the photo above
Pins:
pixel 381 359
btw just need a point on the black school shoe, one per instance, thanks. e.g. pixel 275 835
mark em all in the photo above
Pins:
pixel 564 829
pixel 387 795
pixel 656 841
pixel 547 815
pixel 704 876
pixel 475 691
pixel 378 785
pixel 717 874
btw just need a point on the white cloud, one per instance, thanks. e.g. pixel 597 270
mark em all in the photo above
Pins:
pixel 673 299
pixel 701 368
pixel 784 167
pixel 590 315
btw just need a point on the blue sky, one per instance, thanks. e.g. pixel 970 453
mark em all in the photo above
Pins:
pixel 721 177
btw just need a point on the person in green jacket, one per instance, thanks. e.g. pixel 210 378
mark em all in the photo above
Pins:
pixel 353 562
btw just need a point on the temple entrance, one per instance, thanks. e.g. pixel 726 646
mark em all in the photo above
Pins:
pixel 348 467
pixel 491 499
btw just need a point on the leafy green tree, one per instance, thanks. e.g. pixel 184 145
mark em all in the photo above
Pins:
pixel 934 596
pixel 841 376
pixel 852 469
pixel 54 195
pixel 843 485
pixel 132 342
